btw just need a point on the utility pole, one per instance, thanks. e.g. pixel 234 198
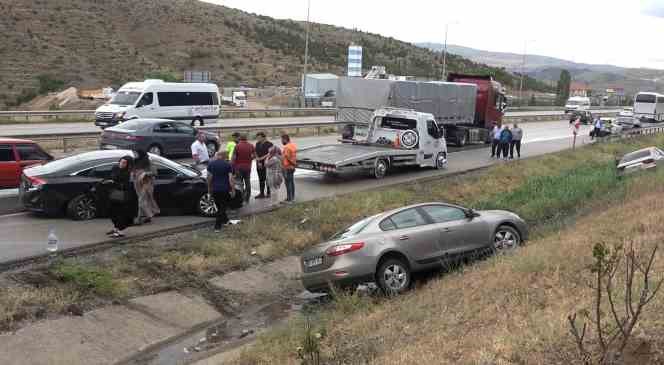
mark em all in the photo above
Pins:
pixel 523 70
pixel 447 26
pixel 306 57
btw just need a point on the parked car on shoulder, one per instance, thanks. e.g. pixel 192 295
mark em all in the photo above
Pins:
pixel 16 155
pixel 626 112
pixel 67 186
pixel 643 159
pixel 388 247
pixel 157 136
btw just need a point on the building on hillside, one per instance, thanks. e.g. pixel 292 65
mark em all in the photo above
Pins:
pixel 354 60
pixel 321 85
pixel 579 89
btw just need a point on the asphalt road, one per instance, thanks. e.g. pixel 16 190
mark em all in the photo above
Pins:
pixel 25 129
pixel 24 234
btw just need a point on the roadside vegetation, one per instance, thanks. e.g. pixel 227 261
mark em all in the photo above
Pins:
pixel 549 192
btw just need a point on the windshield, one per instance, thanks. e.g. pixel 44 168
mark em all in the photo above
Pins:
pixel 573 102
pixel 125 98
pixel 241 97
pixel 132 125
pixel 635 156
pixel 645 98
pixel 184 169
pixel 353 230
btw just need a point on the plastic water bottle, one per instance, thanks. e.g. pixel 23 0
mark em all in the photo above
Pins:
pixel 52 241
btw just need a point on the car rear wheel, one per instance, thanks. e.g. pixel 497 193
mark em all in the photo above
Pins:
pixel 155 150
pixel 83 207
pixel 441 160
pixel 461 139
pixel 506 239
pixel 393 276
pixel 212 148
pixel 206 206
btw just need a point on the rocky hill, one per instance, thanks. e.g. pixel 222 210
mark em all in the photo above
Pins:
pixel 52 44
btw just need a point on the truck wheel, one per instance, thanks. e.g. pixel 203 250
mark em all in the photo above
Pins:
pixel 380 168
pixel 441 160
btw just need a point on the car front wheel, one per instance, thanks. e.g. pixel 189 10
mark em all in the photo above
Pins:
pixel 83 207
pixel 506 239
pixel 206 206
pixel 393 276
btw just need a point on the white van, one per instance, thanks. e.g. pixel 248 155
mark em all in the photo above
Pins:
pixel 158 99
pixel 577 103
pixel 649 106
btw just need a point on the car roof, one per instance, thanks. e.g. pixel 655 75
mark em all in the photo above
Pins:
pixel 15 140
pixel 390 212
pixel 151 120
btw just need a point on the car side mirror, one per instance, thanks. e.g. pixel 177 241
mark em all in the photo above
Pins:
pixel 470 213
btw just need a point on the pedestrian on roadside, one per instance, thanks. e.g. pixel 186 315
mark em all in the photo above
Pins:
pixel 121 197
pixel 495 140
pixel 230 146
pixel 221 186
pixel 288 164
pixel 199 152
pixel 263 147
pixel 576 127
pixel 143 177
pixel 597 128
pixel 517 135
pixel 505 141
pixel 245 153
pixel 274 173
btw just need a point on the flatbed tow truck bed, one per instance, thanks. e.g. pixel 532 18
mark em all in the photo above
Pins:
pixel 347 156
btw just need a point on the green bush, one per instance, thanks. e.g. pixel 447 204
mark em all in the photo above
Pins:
pixel 89 279
pixel 47 84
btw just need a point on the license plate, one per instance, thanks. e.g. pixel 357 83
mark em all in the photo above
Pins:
pixel 313 262
pixel 305 165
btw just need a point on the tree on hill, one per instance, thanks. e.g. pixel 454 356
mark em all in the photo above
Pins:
pixel 562 90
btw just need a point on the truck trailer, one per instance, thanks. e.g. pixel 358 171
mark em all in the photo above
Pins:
pixel 466 106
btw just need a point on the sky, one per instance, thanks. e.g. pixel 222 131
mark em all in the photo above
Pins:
pixel 622 32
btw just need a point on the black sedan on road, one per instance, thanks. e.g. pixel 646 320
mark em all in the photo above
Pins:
pixel 161 137
pixel 70 186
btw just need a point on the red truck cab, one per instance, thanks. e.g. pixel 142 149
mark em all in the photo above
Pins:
pixel 491 101
pixel 15 155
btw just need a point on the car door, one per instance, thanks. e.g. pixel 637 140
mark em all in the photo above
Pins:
pixel 434 143
pixel 414 235
pixel 10 170
pixel 145 107
pixel 31 154
pixel 186 136
pixel 173 191
pixel 458 232
pixel 166 136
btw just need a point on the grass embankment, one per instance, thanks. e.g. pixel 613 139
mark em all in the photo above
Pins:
pixel 542 190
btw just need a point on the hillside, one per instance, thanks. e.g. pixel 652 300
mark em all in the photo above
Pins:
pixel 52 44
pixel 548 69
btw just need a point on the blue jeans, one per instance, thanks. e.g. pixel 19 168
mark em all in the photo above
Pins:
pixel 289 180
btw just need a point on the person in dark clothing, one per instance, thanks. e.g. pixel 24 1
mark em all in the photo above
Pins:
pixel 505 141
pixel 262 151
pixel 242 162
pixel 122 207
pixel 221 186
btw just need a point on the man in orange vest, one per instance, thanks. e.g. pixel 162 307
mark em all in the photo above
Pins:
pixel 289 163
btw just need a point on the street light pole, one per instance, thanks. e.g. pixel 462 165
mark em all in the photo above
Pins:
pixel 306 57
pixel 523 70
pixel 445 53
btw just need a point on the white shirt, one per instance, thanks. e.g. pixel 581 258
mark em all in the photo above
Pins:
pixel 496 132
pixel 199 149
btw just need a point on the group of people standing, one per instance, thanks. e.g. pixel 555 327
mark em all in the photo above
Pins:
pixel 229 173
pixel 131 193
pixel 504 140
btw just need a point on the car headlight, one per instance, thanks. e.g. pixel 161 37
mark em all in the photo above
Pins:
pixel 120 115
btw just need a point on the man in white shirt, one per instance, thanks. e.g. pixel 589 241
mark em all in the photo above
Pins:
pixel 199 151
pixel 495 139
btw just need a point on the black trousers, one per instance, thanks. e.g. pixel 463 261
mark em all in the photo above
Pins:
pixel 504 147
pixel 494 147
pixel 262 180
pixel 516 144
pixel 245 176
pixel 221 198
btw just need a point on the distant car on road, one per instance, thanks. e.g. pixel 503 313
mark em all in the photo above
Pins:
pixel 643 159
pixel 585 116
pixel 66 186
pixel 626 112
pixel 15 155
pixel 387 248
pixel 157 136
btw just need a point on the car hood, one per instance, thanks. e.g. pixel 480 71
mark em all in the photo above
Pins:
pixel 113 108
pixel 498 215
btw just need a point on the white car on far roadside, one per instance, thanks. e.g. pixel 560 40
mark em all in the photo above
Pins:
pixel 626 112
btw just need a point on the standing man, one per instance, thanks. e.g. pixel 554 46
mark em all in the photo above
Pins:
pixel 495 140
pixel 220 186
pixel 242 161
pixel 199 151
pixel 262 153
pixel 576 127
pixel 517 135
pixel 289 163
pixel 505 141
pixel 597 129
pixel 230 146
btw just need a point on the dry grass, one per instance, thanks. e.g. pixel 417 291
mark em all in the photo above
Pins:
pixel 18 304
pixel 505 310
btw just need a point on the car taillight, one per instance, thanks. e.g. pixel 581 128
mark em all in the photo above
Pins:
pixel 339 250
pixel 133 138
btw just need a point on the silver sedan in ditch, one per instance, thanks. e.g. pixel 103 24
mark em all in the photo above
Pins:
pixel 643 159
pixel 387 248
